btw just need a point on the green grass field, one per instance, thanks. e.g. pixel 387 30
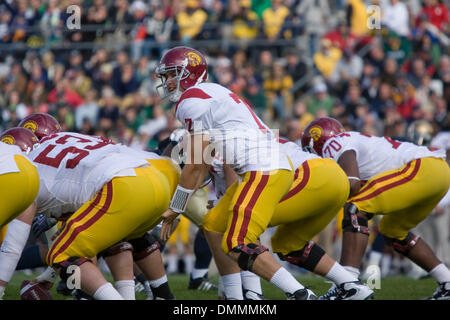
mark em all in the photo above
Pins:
pixel 392 288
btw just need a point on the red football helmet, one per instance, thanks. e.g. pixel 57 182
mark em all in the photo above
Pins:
pixel 25 139
pixel 318 132
pixel 42 124
pixel 189 67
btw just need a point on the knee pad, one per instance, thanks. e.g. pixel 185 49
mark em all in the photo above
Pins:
pixel 64 265
pixel 144 246
pixel 122 246
pixel 353 223
pixel 307 258
pixel 248 254
pixel 403 246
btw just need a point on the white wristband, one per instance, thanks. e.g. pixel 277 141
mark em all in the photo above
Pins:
pixel 353 178
pixel 180 199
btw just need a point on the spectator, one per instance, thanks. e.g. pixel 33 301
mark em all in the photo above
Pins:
pixel 436 13
pixel 356 16
pixel 256 98
pixel 315 15
pixel 327 58
pixel 127 82
pixel 395 17
pixel 342 37
pixel 348 68
pixel 88 111
pixel 278 91
pixel 190 20
pixel 245 22
pixel 320 100
pixel 274 19
pixel 108 113
pixel 159 27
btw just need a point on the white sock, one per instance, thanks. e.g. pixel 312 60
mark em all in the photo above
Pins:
pixel 126 289
pixel 354 271
pixel 440 273
pixel 375 258
pixel 285 281
pixel 2 292
pixel 107 292
pixel 385 265
pixel 49 275
pixel 15 239
pixel 251 281
pixel 199 273
pixel 188 263
pixel 221 290
pixel 156 283
pixel 172 263
pixel 232 286
pixel 339 274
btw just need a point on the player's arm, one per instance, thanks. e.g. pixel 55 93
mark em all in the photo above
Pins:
pixel 192 177
pixel 348 163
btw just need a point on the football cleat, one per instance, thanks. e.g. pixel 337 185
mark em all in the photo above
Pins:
pixel 62 289
pixel 202 284
pixel 252 295
pixel 301 294
pixel 354 290
pixel 442 292
pixel 332 293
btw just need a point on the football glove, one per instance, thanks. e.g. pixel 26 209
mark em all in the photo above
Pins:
pixel 41 224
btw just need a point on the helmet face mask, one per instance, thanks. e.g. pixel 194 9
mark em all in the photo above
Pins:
pixel 168 75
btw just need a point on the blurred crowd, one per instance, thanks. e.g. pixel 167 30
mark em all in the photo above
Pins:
pixel 374 65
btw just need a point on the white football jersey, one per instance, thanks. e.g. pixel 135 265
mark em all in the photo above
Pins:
pixel 244 141
pixel 376 154
pixel 441 140
pixel 7 153
pixel 291 149
pixel 72 167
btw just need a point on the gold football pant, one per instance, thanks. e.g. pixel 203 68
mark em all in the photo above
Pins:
pixel 125 208
pixel 244 212
pixel 404 196
pixel 18 190
pixel 320 188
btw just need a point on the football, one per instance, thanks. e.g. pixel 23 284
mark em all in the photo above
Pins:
pixel 31 290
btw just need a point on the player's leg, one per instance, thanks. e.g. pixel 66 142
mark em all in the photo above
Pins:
pixel 17 210
pixel 147 256
pixel 250 212
pixel 119 259
pixel 123 205
pixel 198 279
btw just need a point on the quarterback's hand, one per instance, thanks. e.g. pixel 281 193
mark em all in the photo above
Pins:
pixel 168 219
pixel 41 224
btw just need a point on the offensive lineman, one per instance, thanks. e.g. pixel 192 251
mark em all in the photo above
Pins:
pixel 399 180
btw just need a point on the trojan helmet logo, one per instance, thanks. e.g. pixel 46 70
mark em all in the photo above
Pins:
pixel 315 132
pixel 193 59
pixel 8 139
pixel 30 125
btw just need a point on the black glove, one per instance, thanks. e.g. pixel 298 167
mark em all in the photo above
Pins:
pixel 41 224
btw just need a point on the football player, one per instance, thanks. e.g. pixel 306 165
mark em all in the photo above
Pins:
pixel 299 218
pixel 88 162
pixel 221 122
pixel 19 183
pixel 401 181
